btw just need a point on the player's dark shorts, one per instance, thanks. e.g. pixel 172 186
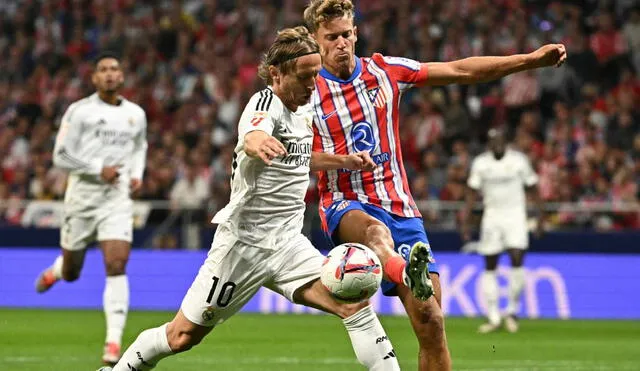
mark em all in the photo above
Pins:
pixel 404 231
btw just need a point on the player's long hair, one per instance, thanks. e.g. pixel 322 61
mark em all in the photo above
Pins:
pixel 290 44
pixel 319 11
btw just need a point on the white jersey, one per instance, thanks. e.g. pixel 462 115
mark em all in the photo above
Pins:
pixel 502 182
pixel 268 201
pixel 94 134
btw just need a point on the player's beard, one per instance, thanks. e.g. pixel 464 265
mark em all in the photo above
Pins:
pixel 113 89
pixel 342 64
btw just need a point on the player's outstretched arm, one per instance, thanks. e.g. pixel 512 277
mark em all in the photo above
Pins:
pixel 356 161
pixel 482 69
pixel 259 144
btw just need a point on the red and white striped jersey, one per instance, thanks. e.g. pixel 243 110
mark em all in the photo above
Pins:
pixel 361 114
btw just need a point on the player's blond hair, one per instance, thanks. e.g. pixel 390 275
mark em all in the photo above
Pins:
pixel 290 44
pixel 319 11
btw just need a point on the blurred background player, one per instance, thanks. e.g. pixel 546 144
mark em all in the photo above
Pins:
pixel 356 109
pixel 501 176
pixel 258 241
pixel 102 144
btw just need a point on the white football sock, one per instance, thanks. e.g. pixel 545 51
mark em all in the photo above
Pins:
pixel 490 291
pixel 56 268
pixel 516 285
pixel 116 305
pixel 150 347
pixel 370 343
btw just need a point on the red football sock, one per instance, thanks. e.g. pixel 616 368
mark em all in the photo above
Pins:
pixel 394 269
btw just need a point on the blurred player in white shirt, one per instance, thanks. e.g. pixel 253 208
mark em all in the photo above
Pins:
pixel 258 241
pixel 501 176
pixel 102 144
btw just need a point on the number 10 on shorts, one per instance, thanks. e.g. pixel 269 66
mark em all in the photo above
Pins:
pixel 225 294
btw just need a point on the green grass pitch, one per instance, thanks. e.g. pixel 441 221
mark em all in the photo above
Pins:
pixel 39 340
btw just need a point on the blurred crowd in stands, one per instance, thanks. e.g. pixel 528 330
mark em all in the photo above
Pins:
pixel 191 65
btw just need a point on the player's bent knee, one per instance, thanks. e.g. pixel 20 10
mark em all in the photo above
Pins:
pixel 116 267
pixel 378 228
pixel 381 236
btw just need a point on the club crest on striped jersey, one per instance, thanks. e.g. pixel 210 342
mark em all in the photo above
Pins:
pixel 377 97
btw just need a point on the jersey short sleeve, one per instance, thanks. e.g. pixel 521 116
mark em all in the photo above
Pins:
pixel 259 114
pixel 529 176
pixel 407 72
pixel 475 180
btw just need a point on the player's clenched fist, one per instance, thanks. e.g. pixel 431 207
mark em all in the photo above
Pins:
pixel 259 144
pixel 550 55
pixel 110 174
pixel 360 161
pixel 135 185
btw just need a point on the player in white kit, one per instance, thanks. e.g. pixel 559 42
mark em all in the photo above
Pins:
pixel 501 175
pixel 258 241
pixel 102 144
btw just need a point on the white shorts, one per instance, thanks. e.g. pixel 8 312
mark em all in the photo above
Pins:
pixel 234 271
pixel 79 230
pixel 499 234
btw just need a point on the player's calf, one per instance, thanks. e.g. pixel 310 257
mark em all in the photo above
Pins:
pixel 182 334
pixel 180 341
pixel 431 333
pixel 427 320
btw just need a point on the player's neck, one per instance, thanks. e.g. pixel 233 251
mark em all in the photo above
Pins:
pixel 109 98
pixel 290 106
pixel 498 155
pixel 285 98
pixel 342 72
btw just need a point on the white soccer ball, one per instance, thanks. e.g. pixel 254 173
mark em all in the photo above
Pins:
pixel 351 272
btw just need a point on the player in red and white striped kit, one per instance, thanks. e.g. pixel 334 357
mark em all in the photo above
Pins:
pixel 356 109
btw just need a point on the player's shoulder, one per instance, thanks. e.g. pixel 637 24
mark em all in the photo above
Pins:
pixel 264 100
pixel 131 106
pixel 387 61
pixel 85 103
pixel 81 106
pixel 482 157
pixel 516 154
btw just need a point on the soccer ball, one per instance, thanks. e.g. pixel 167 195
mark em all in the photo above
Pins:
pixel 351 272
